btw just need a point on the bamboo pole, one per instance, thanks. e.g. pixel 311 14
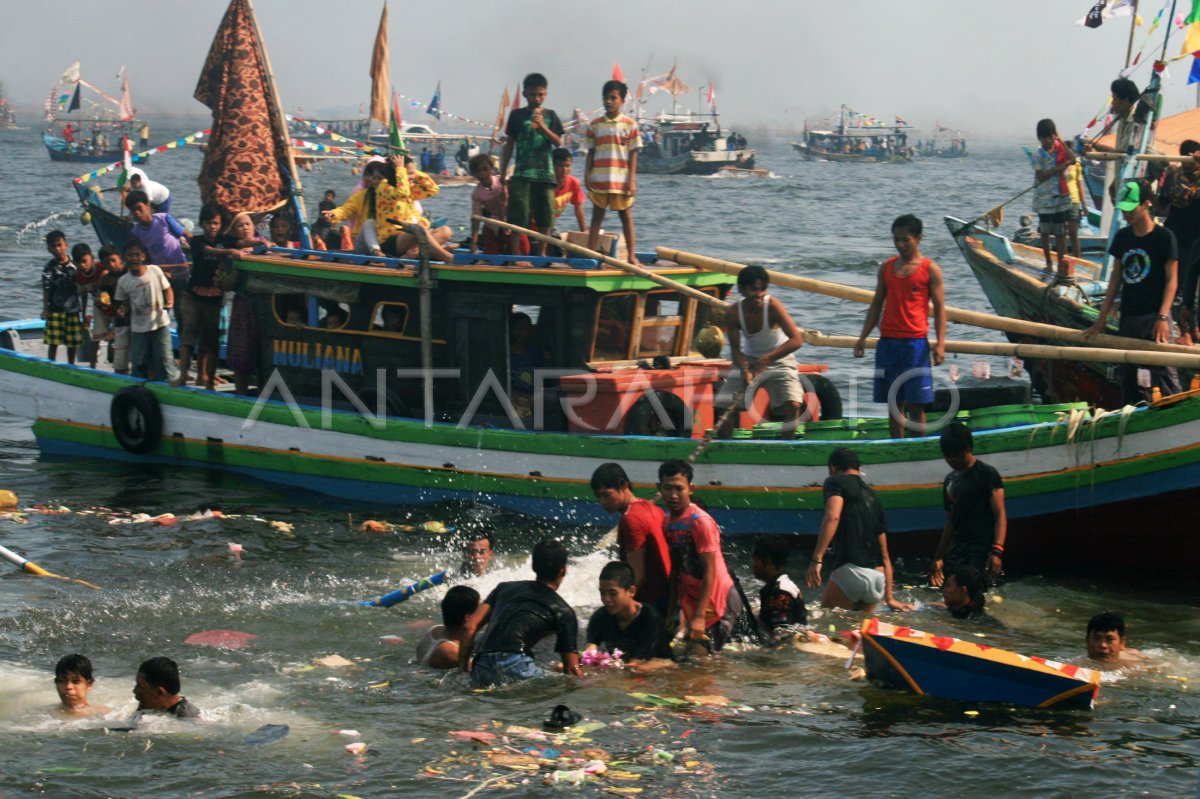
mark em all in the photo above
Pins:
pixel 961 315
pixel 584 252
pixel 1151 157
pixel 1047 352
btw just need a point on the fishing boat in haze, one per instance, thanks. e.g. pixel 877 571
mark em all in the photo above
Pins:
pixel 944 143
pixel 8 117
pixel 96 138
pixel 856 138
pixel 418 393
pixel 686 142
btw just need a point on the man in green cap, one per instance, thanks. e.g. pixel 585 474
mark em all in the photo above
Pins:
pixel 1147 281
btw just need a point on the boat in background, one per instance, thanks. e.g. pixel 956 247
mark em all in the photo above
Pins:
pixel 107 125
pixel 856 138
pixel 686 142
pixel 939 146
pixel 8 118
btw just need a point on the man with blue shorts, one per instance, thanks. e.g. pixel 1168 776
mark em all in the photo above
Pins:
pixel 907 284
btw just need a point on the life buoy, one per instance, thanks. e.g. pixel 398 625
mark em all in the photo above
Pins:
pixel 828 398
pixel 643 418
pixel 136 419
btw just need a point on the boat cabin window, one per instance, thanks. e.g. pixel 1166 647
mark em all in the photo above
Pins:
pixel 333 316
pixel 705 315
pixel 290 309
pixel 390 318
pixel 662 322
pixel 614 327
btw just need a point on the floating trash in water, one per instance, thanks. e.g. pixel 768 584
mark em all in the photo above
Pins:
pixel 267 734
pixel 221 639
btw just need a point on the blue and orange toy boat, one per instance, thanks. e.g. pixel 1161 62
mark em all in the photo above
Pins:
pixel 950 668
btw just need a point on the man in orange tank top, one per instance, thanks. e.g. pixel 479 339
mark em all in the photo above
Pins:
pixel 906 286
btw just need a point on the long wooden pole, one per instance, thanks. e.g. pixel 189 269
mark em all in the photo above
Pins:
pixel 584 252
pixel 961 315
pixel 297 192
pixel 1047 352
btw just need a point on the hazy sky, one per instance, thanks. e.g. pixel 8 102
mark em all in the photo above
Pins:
pixel 987 67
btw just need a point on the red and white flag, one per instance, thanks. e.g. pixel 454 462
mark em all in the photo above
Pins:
pixel 712 98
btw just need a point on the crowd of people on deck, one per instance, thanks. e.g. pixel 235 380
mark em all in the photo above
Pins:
pixel 1157 265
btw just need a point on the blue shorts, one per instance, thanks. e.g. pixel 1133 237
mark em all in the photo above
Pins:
pixel 502 668
pixel 904 360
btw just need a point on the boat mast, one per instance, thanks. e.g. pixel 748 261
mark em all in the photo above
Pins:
pixel 294 188
pixel 1133 23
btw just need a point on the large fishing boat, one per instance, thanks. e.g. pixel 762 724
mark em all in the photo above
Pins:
pixel 685 142
pixel 8 118
pixel 419 393
pixel 96 138
pixel 856 138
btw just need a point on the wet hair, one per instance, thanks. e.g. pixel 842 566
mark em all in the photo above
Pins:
pixel 1106 622
pixel 79 250
pixel 956 439
pixel 135 197
pixel 609 475
pixel 209 212
pixel 458 603
pixel 534 80
pixel 74 664
pixel 561 154
pixel 478 161
pixel 619 85
pixel 549 559
pixel 909 223
pixel 53 236
pixel 1124 89
pixel 620 573
pixel 773 549
pixel 106 251
pixel 970 578
pixel 484 534
pixel 843 459
pixel 674 467
pixel 753 274
pixel 1046 127
pixel 136 244
pixel 1188 146
pixel 161 672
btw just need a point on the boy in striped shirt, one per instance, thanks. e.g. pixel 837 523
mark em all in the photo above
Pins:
pixel 611 170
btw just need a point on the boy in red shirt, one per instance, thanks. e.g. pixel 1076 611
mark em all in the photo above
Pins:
pixel 708 600
pixel 907 283
pixel 567 189
pixel 639 534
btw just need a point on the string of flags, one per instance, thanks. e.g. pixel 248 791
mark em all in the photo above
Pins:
pixel 183 141
pixel 434 108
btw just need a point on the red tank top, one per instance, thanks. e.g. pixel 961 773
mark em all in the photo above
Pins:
pixel 906 308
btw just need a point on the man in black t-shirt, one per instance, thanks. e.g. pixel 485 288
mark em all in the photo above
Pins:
pixel 976 521
pixel 862 570
pixel 518 615
pixel 623 623
pixel 1146 275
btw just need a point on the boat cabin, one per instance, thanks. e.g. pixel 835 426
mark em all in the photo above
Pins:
pixel 327 326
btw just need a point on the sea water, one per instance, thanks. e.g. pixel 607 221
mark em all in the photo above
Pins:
pixel 794 724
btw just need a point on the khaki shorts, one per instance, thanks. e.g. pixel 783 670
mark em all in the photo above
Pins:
pixel 859 583
pixel 611 202
pixel 781 380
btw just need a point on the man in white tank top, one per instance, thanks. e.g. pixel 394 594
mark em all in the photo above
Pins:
pixel 762 338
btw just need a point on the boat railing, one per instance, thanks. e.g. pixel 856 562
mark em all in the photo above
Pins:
pixel 461 258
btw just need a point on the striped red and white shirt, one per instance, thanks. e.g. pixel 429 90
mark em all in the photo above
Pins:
pixel 611 142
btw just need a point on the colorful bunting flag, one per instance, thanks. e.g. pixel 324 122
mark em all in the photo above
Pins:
pixel 1194 15
pixel 126 163
pixel 1194 75
pixel 74 106
pixel 617 73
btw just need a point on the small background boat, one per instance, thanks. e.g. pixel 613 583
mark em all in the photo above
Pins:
pixel 856 138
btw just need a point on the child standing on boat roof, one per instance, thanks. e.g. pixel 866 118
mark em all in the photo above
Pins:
pixel 148 296
pixel 60 299
pixel 567 190
pixel 1052 192
pixel 762 338
pixel 533 132
pixel 611 169
pixel 907 283
pixel 488 199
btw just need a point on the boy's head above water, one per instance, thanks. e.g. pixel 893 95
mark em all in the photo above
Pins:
pixel 73 679
pixel 1106 636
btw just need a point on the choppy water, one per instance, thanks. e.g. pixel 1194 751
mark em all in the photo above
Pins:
pixel 796 724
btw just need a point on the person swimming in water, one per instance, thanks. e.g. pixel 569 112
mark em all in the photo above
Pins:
pixel 1106 643
pixel 73 680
